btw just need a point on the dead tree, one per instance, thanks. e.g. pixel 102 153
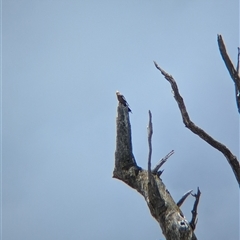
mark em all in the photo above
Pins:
pixel 148 182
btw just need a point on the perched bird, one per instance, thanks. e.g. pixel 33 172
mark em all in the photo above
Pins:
pixel 122 100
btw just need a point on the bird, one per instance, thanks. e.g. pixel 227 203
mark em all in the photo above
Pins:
pixel 122 100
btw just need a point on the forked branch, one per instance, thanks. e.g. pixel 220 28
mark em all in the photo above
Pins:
pixel 193 222
pixel 162 206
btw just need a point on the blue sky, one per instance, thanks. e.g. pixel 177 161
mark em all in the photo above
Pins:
pixel 62 62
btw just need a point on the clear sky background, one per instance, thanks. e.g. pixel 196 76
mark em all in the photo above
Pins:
pixel 62 62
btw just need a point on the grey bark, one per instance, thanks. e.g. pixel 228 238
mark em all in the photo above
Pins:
pixel 161 205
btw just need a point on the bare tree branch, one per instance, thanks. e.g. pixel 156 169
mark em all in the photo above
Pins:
pixel 193 222
pixel 237 92
pixel 150 133
pixel 159 173
pixel 233 73
pixel 238 60
pixel 183 198
pixel 232 160
pixel 162 161
pixel 161 204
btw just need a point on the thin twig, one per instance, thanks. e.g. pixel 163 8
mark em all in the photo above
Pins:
pixel 183 198
pixel 234 73
pixel 227 60
pixel 237 94
pixel 159 173
pixel 162 161
pixel 193 222
pixel 150 132
pixel 237 90
pixel 238 60
pixel 232 160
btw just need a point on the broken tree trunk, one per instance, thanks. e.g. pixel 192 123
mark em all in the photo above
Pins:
pixel 162 206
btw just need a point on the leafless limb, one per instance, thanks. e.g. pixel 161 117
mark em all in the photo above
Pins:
pixel 183 198
pixel 150 133
pixel 193 222
pixel 159 173
pixel 238 60
pixel 237 92
pixel 234 73
pixel 162 161
pixel 160 202
pixel 232 160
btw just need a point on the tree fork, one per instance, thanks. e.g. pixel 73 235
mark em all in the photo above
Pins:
pixel 160 202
